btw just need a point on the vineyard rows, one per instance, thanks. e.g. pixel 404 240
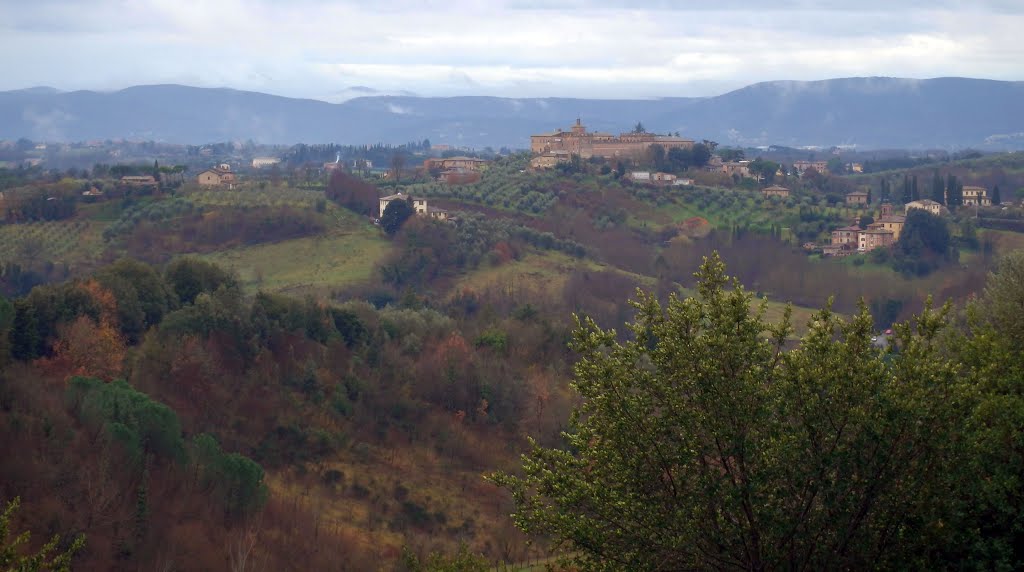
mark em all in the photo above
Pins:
pixel 48 240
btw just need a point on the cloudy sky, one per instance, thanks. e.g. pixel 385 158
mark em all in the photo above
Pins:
pixel 614 48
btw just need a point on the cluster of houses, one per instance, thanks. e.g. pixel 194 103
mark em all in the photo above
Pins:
pixel 741 168
pixel 882 233
pixel 886 230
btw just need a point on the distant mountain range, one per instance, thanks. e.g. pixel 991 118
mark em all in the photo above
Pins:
pixel 870 112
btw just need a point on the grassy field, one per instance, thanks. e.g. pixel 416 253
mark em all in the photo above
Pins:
pixel 549 272
pixel 543 272
pixel 347 254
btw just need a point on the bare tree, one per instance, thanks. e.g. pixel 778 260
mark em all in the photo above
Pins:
pixel 397 162
pixel 242 552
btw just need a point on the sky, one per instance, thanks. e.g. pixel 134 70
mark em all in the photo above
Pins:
pixel 334 50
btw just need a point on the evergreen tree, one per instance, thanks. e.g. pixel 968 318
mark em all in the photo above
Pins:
pixel 907 195
pixel 701 444
pixel 954 191
pixel 46 558
pixel 395 215
pixel 915 194
pixel 938 189
pixel 25 339
pixel 956 194
pixel 996 199
pixel 142 507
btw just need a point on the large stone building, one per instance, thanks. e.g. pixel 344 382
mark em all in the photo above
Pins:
pixel 891 223
pixel 586 144
pixel 873 238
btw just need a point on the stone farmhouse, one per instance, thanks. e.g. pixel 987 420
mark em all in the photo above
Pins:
pixel 846 235
pixel 976 196
pixel 658 178
pixel 586 144
pixel 819 166
pixel 775 191
pixel 857 198
pixel 926 204
pixel 418 204
pixel 736 169
pixel 138 180
pixel 456 163
pixel 873 238
pixel 261 162
pixel 549 159
pixel 219 176
pixel 891 223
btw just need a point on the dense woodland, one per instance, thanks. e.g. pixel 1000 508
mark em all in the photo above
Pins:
pixel 198 415
pixel 220 392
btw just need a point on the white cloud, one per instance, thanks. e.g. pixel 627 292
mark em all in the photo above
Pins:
pixel 516 48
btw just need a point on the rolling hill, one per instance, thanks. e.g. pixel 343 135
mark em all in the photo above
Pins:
pixel 866 112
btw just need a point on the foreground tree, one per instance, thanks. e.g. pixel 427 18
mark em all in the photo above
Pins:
pixel 702 444
pixel 47 558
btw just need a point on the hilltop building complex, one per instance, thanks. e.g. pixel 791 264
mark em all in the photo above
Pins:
pixel 555 147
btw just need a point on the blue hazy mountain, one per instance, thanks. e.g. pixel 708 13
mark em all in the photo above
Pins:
pixel 868 112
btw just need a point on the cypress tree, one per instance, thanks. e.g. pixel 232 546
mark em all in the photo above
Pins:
pixel 952 185
pixel 996 199
pixel 915 195
pixel 907 195
pixel 938 189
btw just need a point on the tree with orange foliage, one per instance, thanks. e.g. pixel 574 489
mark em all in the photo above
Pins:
pixel 86 348
pixel 89 347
